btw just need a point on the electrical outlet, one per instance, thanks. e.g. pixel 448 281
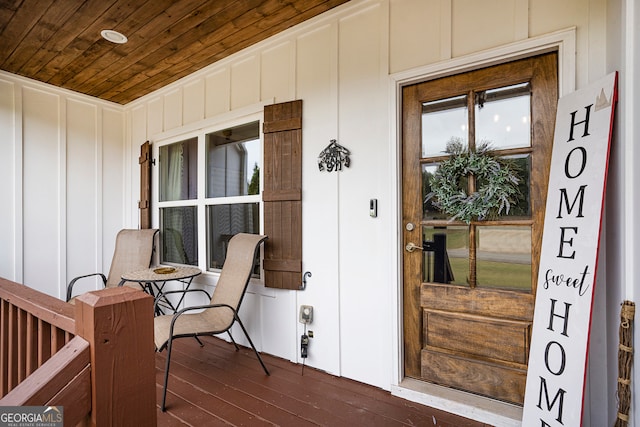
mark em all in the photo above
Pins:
pixel 306 314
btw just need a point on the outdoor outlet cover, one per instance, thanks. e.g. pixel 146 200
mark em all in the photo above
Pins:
pixel 306 314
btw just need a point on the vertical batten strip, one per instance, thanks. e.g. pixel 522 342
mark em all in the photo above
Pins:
pixel 521 20
pixel 18 178
pixel 446 33
pixel 63 172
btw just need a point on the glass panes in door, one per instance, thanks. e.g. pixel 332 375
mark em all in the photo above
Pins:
pixel 490 252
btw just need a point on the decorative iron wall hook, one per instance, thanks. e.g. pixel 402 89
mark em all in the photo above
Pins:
pixel 333 157
pixel 304 280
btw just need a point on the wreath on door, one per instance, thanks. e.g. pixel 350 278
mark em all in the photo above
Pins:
pixel 496 183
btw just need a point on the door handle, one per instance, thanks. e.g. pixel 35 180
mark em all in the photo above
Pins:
pixel 412 247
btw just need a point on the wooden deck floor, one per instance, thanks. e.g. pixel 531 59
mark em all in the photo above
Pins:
pixel 215 385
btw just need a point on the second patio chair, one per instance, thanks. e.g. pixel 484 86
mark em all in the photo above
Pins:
pixel 222 312
pixel 133 251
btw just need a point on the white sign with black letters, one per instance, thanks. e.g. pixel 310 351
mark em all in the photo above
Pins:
pixel 568 260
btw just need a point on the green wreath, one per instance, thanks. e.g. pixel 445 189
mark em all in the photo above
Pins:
pixel 496 182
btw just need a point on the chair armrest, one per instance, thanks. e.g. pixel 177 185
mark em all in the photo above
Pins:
pixel 184 291
pixel 198 307
pixel 201 307
pixel 73 282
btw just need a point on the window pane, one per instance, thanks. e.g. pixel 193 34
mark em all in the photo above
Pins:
pixel 223 222
pixel 504 257
pixel 454 259
pixel 178 170
pixel 443 120
pixel 429 210
pixel 233 161
pixel 179 233
pixel 521 207
pixel 503 116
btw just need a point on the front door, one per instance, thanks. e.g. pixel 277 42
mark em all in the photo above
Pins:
pixel 469 282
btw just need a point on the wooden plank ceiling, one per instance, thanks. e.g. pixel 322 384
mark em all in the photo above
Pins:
pixel 59 42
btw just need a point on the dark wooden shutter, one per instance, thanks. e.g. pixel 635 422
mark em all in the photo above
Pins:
pixel 145 185
pixel 282 195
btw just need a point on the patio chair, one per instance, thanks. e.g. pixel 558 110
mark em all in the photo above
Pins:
pixel 133 251
pixel 222 312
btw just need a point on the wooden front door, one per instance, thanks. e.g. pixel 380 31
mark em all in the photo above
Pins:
pixel 469 288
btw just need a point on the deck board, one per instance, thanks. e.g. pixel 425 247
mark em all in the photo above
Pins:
pixel 215 385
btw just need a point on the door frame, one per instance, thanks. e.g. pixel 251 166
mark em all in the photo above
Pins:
pixel 454 401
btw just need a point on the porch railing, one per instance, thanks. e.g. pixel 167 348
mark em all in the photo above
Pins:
pixel 95 360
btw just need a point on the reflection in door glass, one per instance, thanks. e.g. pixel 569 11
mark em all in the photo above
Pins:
pixel 504 257
pixel 503 116
pixel 446 258
pixel 442 120
pixel 429 210
pixel 520 206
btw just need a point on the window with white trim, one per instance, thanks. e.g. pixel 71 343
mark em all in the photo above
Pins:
pixel 209 189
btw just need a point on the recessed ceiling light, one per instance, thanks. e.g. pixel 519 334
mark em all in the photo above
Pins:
pixel 114 36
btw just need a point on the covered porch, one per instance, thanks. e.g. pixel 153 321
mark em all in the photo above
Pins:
pixel 72 177
pixel 215 385
pixel 95 361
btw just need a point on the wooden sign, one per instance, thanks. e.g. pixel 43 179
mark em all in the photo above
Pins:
pixel 568 261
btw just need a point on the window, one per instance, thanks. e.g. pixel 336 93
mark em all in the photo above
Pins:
pixel 227 164
pixel 213 185
pixel 178 185
pixel 233 175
